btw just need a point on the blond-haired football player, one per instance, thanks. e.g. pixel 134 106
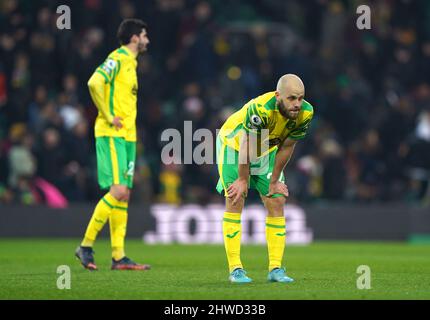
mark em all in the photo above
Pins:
pixel 253 147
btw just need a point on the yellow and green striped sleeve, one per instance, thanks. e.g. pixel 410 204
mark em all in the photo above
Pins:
pixel 256 118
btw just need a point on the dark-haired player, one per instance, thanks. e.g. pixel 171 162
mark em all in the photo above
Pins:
pixel 113 88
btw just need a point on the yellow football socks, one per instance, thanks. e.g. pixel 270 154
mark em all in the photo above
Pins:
pixel 275 236
pixel 231 228
pixel 100 216
pixel 118 229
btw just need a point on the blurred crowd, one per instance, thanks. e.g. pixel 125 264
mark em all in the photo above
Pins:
pixel 369 140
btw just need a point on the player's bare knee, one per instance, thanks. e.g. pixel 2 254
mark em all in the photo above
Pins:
pixel 234 208
pixel 275 206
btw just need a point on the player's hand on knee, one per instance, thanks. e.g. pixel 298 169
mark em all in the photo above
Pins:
pixel 237 190
pixel 278 187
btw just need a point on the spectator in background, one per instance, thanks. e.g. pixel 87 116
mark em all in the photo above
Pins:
pixel 51 156
pixel 417 157
pixel 333 170
pixel 371 168
pixel 20 87
pixel 42 49
pixel 3 102
pixel 40 98
pixel 22 165
pixel 170 184
pixel 48 116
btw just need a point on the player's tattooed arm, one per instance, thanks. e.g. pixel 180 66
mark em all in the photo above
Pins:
pixel 283 156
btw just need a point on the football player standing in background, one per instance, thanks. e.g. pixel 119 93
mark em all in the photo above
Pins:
pixel 113 88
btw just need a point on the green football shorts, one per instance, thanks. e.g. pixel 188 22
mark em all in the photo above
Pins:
pixel 260 172
pixel 115 161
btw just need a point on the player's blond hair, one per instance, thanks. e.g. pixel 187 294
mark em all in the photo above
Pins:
pixel 289 80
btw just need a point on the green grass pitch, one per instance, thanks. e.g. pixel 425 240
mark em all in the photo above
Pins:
pixel 323 270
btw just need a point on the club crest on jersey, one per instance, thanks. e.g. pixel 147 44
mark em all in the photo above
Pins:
pixel 291 124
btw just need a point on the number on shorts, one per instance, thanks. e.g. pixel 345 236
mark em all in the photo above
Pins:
pixel 130 171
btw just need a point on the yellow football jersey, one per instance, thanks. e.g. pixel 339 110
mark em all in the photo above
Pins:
pixel 263 113
pixel 119 72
